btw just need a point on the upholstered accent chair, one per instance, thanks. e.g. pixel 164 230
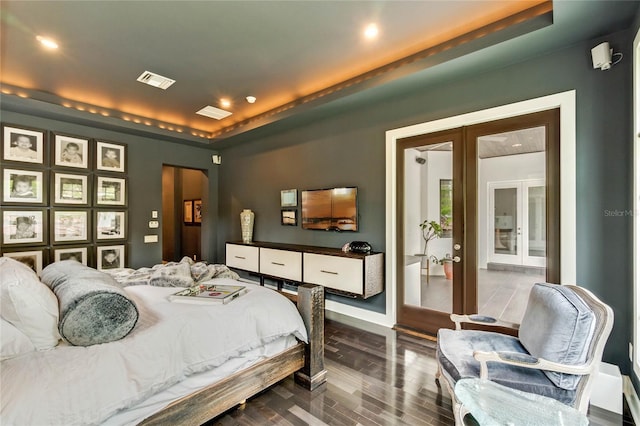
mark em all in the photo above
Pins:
pixel 556 354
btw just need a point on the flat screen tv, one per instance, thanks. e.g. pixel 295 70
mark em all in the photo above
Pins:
pixel 333 209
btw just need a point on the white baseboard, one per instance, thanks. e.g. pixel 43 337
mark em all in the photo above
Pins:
pixel 632 399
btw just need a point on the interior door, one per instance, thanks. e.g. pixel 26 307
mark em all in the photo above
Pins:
pixel 430 180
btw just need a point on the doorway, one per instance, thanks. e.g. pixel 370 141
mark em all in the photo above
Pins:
pixel 183 202
pixel 502 181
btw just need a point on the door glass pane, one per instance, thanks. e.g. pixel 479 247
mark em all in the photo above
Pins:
pixel 428 209
pixel 537 223
pixel 505 215
pixel 510 220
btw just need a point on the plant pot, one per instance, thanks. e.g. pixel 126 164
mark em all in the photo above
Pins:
pixel 448 269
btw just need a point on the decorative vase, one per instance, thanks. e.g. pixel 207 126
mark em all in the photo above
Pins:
pixel 246 224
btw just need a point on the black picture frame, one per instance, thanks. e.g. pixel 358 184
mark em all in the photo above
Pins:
pixel 289 217
pixel 81 253
pixel 70 151
pixel 34 257
pixel 24 227
pixel 36 154
pixel 110 225
pixel 70 189
pixel 111 156
pixel 120 260
pixel 110 191
pixel 70 226
pixel 33 182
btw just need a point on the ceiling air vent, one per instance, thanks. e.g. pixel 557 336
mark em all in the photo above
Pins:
pixel 213 112
pixel 155 80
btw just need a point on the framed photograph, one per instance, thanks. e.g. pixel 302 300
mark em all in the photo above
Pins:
pixel 187 212
pixel 70 151
pixel 197 211
pixel 110 257
pixel 69 226
pixel 111 225
pixel 111 157
pixel 24 227
pixel 110 191
pixel 23 144
pixel 289 198
pixel 34 259
pixel 70 189
pixel 24 186
pixel 290 217
pixel 80 254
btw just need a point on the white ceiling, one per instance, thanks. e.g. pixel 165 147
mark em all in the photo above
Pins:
pixel 285 53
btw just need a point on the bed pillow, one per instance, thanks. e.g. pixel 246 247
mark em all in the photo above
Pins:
pixel 27 304
pixel 93 307
pixel 13 342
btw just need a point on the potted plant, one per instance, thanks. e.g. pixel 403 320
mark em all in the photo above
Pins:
pixel 447 264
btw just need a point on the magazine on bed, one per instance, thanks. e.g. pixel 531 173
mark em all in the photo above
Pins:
pixel 208 293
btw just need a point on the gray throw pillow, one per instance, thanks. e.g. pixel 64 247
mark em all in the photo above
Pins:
pixel 93 308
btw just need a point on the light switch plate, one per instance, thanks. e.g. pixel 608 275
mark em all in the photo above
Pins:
pixel 153 224
pixel 154 214
pixel 150 238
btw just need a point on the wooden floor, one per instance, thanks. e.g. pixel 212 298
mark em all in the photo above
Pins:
pixel 376 376
pixel 501 294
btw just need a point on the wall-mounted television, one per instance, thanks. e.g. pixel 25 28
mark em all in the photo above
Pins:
pixel 334 209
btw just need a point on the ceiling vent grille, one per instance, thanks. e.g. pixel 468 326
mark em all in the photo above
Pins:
pixel 155 80
pixel 213 112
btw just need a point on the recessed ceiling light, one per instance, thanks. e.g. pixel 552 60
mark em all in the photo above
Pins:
pixel 515 145
pixel 251 99
pixel 47 42
pixel 371 31
pixel 225 103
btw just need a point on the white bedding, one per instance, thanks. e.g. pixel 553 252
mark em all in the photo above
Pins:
pixel 86 385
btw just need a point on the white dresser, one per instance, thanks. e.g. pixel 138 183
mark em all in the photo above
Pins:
pixel 349 274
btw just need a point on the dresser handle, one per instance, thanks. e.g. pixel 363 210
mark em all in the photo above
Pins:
pixel 239 257
pixel 328 272
pixel 276 263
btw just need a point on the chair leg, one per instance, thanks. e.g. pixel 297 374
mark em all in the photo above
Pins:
pixel 438 374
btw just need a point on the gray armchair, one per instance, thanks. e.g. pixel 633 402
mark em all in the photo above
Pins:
pixel 556 354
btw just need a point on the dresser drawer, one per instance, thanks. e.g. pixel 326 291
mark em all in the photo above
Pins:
pixel 281 263
pixel 340 273
pixel 242 257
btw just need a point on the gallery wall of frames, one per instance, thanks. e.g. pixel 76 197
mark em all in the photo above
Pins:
pixel 63 197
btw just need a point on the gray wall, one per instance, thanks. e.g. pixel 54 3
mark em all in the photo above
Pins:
pixel 348 149
pixel 146 157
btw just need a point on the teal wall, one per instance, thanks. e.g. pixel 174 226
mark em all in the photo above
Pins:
pixel 348 149
pixel 144 180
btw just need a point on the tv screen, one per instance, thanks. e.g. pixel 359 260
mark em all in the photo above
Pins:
pixel 330 209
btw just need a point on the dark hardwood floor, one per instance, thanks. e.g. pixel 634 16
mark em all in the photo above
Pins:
pixel 376 376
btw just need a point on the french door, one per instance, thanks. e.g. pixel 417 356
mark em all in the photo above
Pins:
pixel 490 195
pixel 517 222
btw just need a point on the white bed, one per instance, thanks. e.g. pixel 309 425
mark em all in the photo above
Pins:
pixel 174 350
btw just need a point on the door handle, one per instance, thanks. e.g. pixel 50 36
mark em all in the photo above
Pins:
pixel 457 259
pixel 457 246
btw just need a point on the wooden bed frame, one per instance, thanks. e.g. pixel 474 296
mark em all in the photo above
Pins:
pixel 305 360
